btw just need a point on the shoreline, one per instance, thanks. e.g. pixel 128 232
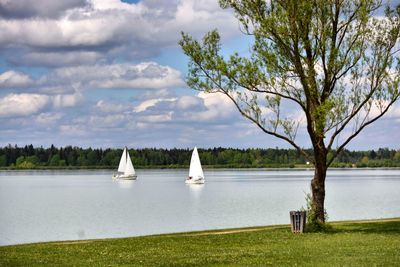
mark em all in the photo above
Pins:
pixel 187 167
pixel 209 232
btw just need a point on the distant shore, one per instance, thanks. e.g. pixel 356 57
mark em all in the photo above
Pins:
pixel 29 157
pixel 172 167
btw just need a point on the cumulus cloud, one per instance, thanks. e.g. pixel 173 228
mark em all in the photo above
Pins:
pixel 63 51
pixel 73 53
pixel 202 119
pixel 23 9
pixel 102 30
pixel 217 104
pixel 48 118
pixel 57 59
pixel 159 118
pixel 146 75
pixel 73 130
pixel 160 93
pixel 53 34
pixel 151 103
pixel 162 115
pixel 67 100
pixel 22 104
pixel 108 121
pixel 394 112
pixel 202 108
pixel 25 104
pixel 104 106
pixel 69 80
pixel 188 102
pixel 13 79
pixel 62 88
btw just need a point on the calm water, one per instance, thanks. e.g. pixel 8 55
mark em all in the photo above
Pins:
pixel 63 205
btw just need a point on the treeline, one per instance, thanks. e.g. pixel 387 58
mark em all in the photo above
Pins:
pixel 29 157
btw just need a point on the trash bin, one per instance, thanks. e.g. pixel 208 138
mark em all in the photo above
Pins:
pixel 298 221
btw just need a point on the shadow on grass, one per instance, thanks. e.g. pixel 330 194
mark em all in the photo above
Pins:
pixel 390 227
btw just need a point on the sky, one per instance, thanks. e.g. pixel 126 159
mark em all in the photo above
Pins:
pixel 110 73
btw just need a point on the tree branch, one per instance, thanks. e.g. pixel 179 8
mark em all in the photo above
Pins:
pixel 340 148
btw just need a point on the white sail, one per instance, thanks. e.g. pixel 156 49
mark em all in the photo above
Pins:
pixel 125 168
pixel 129 170
pixel 195 171
pixel 122 162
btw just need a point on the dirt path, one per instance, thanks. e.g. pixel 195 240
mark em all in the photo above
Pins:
pixel 233 231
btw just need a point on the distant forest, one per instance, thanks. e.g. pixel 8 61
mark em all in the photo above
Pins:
pixel 29 157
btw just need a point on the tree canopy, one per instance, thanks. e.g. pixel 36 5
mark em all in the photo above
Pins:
pixel 29 157
pixel 334 64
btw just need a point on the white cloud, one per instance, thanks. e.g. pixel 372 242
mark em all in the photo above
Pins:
pixel 203 108
pixel 86 44
pixel 33 8
pixel 25 104
pixel 188 102
pixel 61 88
pixel 200 16
pixel 151 103
pixel 152 94
pixel 35 33
pixel 14 79
pixel 146 75
pixel 111 107
pixel 394 112
pixel 67 80
pixel 57 59
pixel 160 118
pixel 101 30
pixel 108 121
pixel 218 105
pixel 203 120
pixel 48 118
pixel 116 5
pixel 73 130
pixel 60 101
pixel 22 104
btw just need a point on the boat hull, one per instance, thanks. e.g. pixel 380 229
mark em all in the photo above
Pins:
pixel 192 181
pixel 124 177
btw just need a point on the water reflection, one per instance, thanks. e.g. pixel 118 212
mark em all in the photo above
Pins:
pixel 195 190
pixel 125 183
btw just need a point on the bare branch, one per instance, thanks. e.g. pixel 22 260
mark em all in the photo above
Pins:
pixel 351 137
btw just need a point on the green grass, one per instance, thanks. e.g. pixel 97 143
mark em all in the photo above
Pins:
pixel 369 243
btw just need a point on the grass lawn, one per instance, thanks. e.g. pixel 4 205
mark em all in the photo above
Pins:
pixel 368 243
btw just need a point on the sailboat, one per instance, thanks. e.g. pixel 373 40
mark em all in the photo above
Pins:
pixel 125 168
pixel 196 175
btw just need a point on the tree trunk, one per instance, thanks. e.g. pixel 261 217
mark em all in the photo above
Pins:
pixel 318 184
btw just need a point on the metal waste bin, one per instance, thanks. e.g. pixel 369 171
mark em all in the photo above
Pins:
pixel 298 221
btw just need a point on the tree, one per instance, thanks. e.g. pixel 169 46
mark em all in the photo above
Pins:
pixel 397 156
pixel 92 158
pixel 3 161
pixel 19 160
pixel 335 62
pixel 27 162
pixel 55 160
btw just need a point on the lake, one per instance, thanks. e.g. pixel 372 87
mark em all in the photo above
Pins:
pixel 66 205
